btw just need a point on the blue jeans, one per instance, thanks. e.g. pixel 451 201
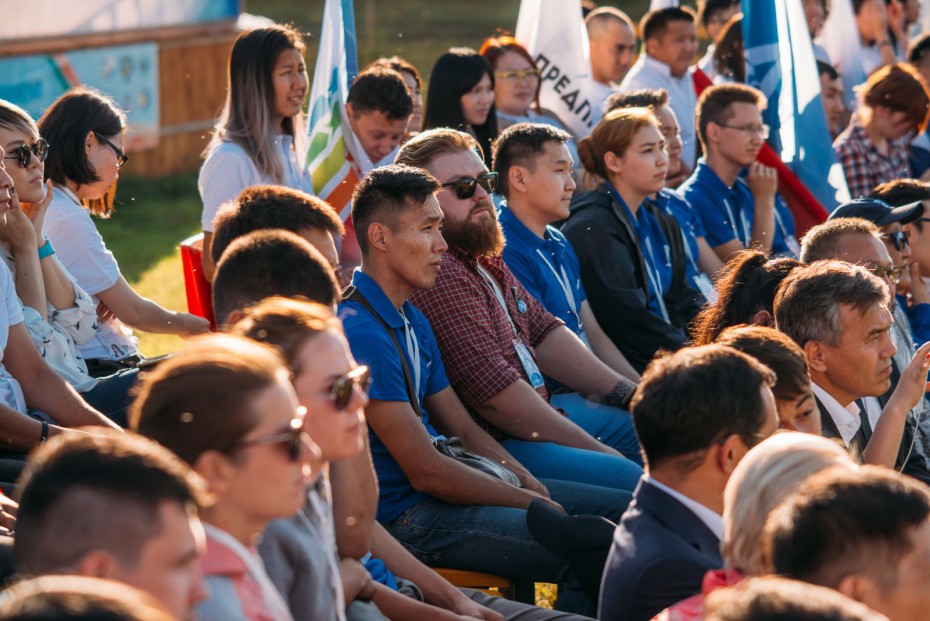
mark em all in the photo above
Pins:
pixel 547 460
pixel 611 425
pixel 111 395
pixel 496 540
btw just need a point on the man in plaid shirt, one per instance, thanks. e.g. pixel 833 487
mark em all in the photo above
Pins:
pixel 497 341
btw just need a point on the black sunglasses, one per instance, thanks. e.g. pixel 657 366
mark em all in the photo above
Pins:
pixel 121 157
pixel 343 388
pixel 292 438
pixel 23 153
pixel 465 188
pixel 899 240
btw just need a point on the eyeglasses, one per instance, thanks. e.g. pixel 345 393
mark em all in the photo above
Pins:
pixel 518 75
pixel 465 188
pixel 891 272
pixel 293 437
pixel 121 157
pixel 23 153
pixel 762 131
pixel 898 239
pixel 343 388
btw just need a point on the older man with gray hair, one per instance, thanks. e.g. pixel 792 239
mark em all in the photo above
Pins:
pixel 839 315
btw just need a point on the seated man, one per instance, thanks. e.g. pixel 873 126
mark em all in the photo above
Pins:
pixel 669 44
pixel 115 506
pixel 278 207
pixel 714 15
pixel 399 220
pixel 497 340
pixel 865 534
pixel 737 213
pixel 612 39
pixel 697 412
pixel 831 96
pixel 267 263
pixel 534 170
pixel 77 598
pixel 838 314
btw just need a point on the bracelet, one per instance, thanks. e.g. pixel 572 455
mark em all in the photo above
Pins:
pixel 883 43
pixel 44 435
pixel 46 250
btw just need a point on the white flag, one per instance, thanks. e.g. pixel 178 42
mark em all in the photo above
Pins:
pixel 840 37
pixel 554 33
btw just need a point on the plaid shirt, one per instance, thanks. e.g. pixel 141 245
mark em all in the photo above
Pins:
pixel 864 166
pixel 474 334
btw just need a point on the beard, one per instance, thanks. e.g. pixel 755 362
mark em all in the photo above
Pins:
pixel 484 239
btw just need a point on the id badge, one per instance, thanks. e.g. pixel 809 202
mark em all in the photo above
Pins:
pixel 793 245
pixel 706 287
pixel 529 364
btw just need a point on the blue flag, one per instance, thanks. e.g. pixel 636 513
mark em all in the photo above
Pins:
pixel 780 63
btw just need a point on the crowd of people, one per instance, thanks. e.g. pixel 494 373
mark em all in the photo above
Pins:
pixel 609 361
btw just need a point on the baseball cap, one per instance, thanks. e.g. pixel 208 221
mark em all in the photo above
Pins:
pixel 878 211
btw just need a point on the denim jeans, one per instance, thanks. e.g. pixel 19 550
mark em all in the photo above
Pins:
pixel 611 425
pixel 496 539
pixel 111 395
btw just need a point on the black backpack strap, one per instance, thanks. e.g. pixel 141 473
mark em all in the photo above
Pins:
pixel 352 293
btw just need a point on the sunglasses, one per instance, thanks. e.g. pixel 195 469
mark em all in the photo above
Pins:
pixel 466 188
pixel 23 153
pixel 892 272
pixel 899 240
pixel 343 388
pixel 517 75
pixel 292 438
pixel 121 157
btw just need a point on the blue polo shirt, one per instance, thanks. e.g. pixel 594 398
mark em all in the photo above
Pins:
pixel 728 213
pixel 372 345
pixel 676 206
pixel 546 266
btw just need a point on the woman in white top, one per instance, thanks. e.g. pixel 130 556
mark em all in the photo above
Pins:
pixel 259 136
pixel 226 406
pixel 85 129
pixel 58 314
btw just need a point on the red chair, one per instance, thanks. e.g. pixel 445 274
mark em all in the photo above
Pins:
pixel 197 288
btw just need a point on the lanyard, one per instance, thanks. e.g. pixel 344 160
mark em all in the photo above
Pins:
pixel 747 228
pixel 499 294
pixel 413 349
pixel 564 282
pixel 270 594
pixel 654 277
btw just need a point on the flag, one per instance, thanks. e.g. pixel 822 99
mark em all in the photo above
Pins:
pixel 331 155
pixel 780 63
pixel 554 33
pixel 840 38
pixel 658 5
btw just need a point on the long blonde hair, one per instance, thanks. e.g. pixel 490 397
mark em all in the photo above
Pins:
pixel 247 118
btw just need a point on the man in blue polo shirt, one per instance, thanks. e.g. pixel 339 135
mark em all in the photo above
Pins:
pixel 534 167
pixel 737 213
pixel 482 518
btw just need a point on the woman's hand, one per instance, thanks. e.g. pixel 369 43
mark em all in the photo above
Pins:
pixel 36 213
pixel 18 231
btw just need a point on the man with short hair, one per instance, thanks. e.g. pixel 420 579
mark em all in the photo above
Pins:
pixel 497 340
pixel 116 506
pixel 714 15
pixel 697 412
pixel 483 517
pixel 839 315
pixel 266 263
pixel 831 96
pixel 669 42
pixel 904 192
pixel 278 207
pixel 736 213
pixel 612 43
pixel 864 533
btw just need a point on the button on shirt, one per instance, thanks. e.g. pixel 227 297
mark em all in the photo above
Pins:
pixel 648 72
pixel 372 345
pixel 656 253
pixel 728 213
pixel 475 336
pixel 846 418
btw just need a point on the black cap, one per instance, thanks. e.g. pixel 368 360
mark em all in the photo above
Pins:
pixel 878 211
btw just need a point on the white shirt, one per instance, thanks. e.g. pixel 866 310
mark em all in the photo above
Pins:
pixel 82 252
pixel 648 72
pixel 599 94
pixel 711 519
pixel 229 169
pixel 11 313
pixel 706 64
pixel 846 418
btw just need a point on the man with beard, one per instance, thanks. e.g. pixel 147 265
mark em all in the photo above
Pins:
pixel 497 340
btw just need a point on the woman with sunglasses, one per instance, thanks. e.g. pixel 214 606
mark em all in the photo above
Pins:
pixel 258 138
pixel 516 87
pixel 58 313
pixel 226 406
pixel 85 130
pixel 461 96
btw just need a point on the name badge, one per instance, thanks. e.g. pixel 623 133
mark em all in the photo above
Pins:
pixel 706 287
pixel 529 364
